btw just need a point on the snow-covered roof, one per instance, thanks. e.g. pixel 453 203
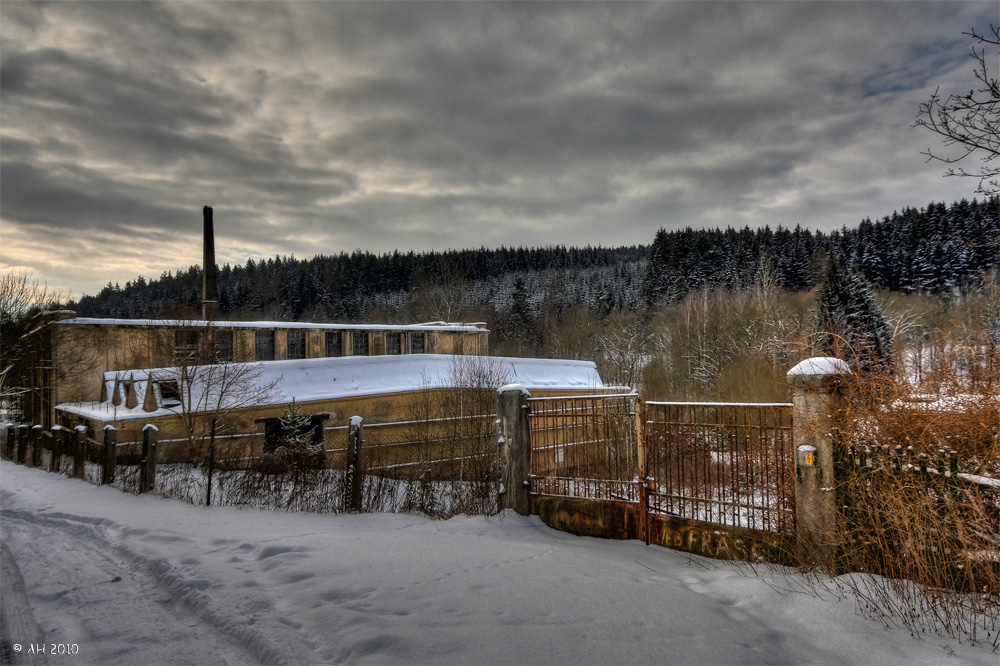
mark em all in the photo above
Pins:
pixel 268 383
pixel 474 327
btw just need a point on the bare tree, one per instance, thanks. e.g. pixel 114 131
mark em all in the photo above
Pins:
pixel 969 122
pixel 625 348
pixel 22 296
pixel 211 394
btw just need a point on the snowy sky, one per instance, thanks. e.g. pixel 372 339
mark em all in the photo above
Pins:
pixel 317 127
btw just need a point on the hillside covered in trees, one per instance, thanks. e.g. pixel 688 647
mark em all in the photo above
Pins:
pixel 935 250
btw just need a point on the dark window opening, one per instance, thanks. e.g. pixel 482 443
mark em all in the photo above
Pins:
pixel 296 343
pixel 392 343
pixel 275 433
pixel 417 343
pixel 186 346
pixel 223 343
pixel 334 343
pixel 170 394
pixel 264 342
pixel 360 343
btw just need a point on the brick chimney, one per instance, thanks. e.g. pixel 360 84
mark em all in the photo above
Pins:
pixel 210 273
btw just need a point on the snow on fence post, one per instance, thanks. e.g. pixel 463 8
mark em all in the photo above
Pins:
pixel 147 469
pixel 514 449
pixel 354 475
pixel 816 396
pixel 80 452
pixel 110 458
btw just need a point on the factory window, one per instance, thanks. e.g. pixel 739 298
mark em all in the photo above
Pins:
pixel 296 343
pixel 360 343
pixel 170 394
pixel 334 343
pixel 186 346
pixel 417 343
pixel 222 341
pixel 392 343
pixel 264 342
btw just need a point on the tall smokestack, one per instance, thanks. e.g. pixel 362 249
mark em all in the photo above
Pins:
pixel 209 277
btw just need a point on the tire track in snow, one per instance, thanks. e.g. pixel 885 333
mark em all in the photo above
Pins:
pixel 226 638
pixel 17 623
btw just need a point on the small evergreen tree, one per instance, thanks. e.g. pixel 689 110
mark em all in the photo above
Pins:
pixel 298 430
pixel 849 323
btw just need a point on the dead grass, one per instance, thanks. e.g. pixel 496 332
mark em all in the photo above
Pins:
pixel 923 539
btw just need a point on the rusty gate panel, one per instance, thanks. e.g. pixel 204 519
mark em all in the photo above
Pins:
pixel 724 463
pixel 585 447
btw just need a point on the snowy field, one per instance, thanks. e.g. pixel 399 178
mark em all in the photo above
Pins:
pixel 145 580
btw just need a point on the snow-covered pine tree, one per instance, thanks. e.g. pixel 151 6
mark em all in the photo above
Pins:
pixel 297 430
pixel 849 324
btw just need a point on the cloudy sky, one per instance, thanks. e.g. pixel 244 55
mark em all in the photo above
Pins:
pixel 320 127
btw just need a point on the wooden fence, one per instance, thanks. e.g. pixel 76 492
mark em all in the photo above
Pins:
pixel 441 466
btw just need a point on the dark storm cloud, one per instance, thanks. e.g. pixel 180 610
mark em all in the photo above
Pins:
pixel 326 126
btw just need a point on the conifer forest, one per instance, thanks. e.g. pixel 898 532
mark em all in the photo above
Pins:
pixel 697 314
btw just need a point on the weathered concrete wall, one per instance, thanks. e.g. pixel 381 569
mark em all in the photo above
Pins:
pixel 586 517
pixel 81 353
pixel 722 542
pixel 622 520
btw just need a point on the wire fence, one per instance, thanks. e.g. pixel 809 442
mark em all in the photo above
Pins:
pixel 442 466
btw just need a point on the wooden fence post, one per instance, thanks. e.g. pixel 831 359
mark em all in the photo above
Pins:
pixel 211 462
pixel 80 453
pixel 355 473
pixel 110 458
pixel 21 436
pixel 514 449
pixel 34 436
pixel 22 447
pixel 44 437
pixel 816 396
pixel 147 469
pixel 8 440
pixel 55 461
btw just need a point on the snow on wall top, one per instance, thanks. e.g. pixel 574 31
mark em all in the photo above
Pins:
pixel 474 327
pixel 318 379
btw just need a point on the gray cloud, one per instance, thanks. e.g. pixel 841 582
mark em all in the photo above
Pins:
pixel 327 126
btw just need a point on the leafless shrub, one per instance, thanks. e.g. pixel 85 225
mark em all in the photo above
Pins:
pixel 923 539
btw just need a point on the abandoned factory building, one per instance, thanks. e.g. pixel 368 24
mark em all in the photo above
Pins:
pixel 70 355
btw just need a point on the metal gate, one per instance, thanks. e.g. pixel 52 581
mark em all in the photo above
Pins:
pixel 722 463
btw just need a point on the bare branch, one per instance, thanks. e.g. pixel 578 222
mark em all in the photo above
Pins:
pixel 969 122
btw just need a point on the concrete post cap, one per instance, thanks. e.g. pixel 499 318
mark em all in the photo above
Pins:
pixel 816 372
pixel 514 387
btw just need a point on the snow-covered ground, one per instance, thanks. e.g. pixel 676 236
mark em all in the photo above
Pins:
pixel 146 580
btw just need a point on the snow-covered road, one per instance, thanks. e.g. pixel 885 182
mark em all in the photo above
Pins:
pixel 143 580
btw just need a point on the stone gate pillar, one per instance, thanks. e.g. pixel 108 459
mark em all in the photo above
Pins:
pixel 816 384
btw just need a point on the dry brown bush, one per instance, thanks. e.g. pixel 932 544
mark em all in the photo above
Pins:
pixel 925 539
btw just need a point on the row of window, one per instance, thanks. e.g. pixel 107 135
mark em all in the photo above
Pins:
pixel 187 344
